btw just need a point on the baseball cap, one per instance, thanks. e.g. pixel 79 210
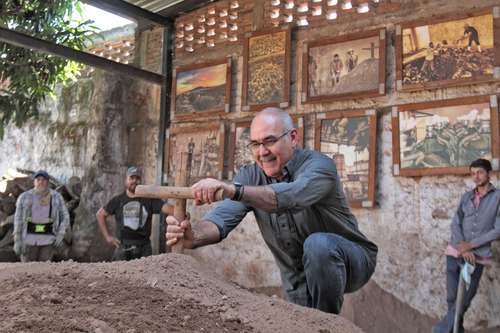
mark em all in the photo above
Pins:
pixel 134 171
pixel 41 173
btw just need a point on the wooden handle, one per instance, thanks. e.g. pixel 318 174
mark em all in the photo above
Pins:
pixel 164 192
pixel 180 215
pixel 170 192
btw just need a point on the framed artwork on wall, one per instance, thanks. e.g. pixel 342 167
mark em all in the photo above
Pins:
pixel 201 89
pixel 344 67
pixel 204 147
pixel 239 153
pixel 266 70
pixel 350 139
pixel 444 137
pixel 448 51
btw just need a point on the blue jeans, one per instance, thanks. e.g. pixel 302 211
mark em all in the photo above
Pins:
pixel 452 275
pixel 333 266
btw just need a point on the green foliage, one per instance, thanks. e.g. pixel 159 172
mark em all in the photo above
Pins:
pixel 27 76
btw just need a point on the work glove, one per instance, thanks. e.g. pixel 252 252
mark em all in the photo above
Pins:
pixel 17 248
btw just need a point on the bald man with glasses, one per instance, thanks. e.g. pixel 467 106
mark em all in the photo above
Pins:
pixel 301 210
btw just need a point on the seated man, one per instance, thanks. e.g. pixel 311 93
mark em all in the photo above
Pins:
pixel 475 225
pixel 40 221
pixel 133 217
pixel 301 210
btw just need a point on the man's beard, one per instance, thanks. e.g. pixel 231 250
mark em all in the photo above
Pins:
pixel 43 190
pixel 131 188
pixel 484 183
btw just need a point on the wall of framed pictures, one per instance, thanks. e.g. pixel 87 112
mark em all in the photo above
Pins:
pixel 402 95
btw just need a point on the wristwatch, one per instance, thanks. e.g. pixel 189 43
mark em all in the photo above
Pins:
pixel 238 192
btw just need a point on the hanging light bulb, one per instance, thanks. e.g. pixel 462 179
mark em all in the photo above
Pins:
pixel 289 4
pixel 233 15
pixel 201 40
pixel 211 21
pixel 275 13
pixel 201 29
pixel 201 19
pixel 234 5
pixel 223 13
pixel 275 2
pixel 189 27
pixel 332 3
pixel 233 38
pixel 288 18
pixel 189 37
pixel 189 48
pixel 317 10
pixel 223 24
pixel 211 32
pixel 211 43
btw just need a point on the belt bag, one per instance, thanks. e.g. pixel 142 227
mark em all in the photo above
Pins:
pixel 40 229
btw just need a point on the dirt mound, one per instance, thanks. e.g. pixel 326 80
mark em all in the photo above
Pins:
pixel 167 293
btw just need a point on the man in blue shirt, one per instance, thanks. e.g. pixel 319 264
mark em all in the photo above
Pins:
pixel 301 210
pixel 475 225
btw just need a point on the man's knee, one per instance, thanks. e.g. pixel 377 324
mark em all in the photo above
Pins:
pixel 320 247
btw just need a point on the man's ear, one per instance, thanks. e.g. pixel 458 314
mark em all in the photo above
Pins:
pixel 294 136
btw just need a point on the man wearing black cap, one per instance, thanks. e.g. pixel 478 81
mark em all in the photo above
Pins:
pixel 40 221
pixel 133 220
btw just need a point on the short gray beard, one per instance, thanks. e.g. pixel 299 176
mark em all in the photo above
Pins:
pixel 42 191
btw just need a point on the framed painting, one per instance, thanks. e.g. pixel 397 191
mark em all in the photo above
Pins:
pixel 266 70
pixel 204 147
pixel 344 67
pixel 201 89
pixel 350 139
pixel 448 51
pixel 444 137
pixel 239 153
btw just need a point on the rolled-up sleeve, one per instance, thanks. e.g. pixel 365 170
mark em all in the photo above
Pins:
pixel 228 214
pixel 312 185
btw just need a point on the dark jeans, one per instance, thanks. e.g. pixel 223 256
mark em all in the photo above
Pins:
pixel 132 251
pixel 452 276
pixel 333 266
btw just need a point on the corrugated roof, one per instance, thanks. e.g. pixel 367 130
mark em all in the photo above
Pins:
pixel 154 6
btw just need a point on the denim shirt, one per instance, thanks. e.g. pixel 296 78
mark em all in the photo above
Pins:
pixel 310 199
pixel 478 226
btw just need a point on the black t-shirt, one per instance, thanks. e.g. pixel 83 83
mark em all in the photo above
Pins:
pixel 133 216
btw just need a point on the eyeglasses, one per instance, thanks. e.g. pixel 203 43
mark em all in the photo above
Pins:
pixel 267 142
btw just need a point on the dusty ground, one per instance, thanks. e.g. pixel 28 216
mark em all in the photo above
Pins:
pixel 166 293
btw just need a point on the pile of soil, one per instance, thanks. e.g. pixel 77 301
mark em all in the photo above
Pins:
pixel 166 293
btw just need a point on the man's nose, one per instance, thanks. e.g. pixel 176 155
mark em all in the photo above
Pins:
pixel 262 150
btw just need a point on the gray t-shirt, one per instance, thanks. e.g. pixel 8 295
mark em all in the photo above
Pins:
pixel 310 199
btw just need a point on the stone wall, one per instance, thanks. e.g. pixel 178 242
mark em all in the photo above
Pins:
pixel 411 220
pixel 93 129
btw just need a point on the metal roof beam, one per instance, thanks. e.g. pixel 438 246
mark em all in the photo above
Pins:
pixel 22 40
pixel 128 10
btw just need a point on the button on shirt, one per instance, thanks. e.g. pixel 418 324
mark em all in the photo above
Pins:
pixel 477 221
pixel 310 199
